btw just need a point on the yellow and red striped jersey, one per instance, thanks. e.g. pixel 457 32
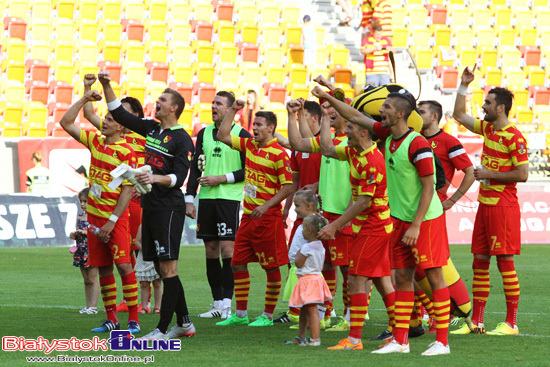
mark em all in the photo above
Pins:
pixel 137 143
pixel 315 142
pixel 368 177
pixel 105 158
pixel 383 15
pixel 503 150
pixel 266 170
pixel 377 62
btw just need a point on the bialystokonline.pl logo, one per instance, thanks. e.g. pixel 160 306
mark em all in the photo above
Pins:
pixel 120 340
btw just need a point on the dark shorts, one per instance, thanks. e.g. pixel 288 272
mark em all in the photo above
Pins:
pixel 218 219
pixel 161 234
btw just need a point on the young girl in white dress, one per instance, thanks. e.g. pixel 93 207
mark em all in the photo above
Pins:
pixel 311 289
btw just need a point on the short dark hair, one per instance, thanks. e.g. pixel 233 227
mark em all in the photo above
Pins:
pixel 435 107
pixel 503 96
pixel 377 28
pixel 270 118
pixel 403 103
pixel 135 105
pixel 228 95
pixel 314 109
pixel 84 192
pixel 177 99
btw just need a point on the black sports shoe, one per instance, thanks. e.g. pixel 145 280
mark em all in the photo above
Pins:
pixel 283 318
pixel 385 335
pixel 416 331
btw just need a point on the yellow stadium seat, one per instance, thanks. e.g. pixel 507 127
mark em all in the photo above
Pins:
pixel 186 119
pixel 134 72
pixel 492 76
pixel 136 90
pixel 227 75
pixel 13 112
pixel 17 8
pixel 246 13
pixel 502 14
pixel 522 16
pixel 224 31
pixel 315 70
pixel 320 33
pixel 155 89
pixel 543 35
pixel 488 56
pixel 446 56
pixel 509 56
pixel 514 77
pixel 321 56
pixel 15 70
pixel 506 35
pixel 226 53
pixel 11 132
pixel 462 36
pixel 65 8
pixel 269 13
pixel 521 95
pixel 40 8
pixel 248 32
pixel 156 30
pixel 87 51
pixel 270 34
pixel 179 51
pixel 133 50
pixel 524 115
pixel 63 50
pixel 15 48
pixel 179 10
pixel 181 72
pixel 87 67
pixel 485 36
pixel 466 56
pixel 481 16
pixel 203 111
pixel 400 39
pixel 88 9
pixel 418 15
pixel 157 9
pixel 339 55
pixel 419 37
pixel 340 74
pixel 527 35
pixel 290 15
pixel 272 55
pixel 133 9
pixel 535 75
pixel 111 9
pixel 204 51
pixel 424 58
pixel 296 91
pixel 203 11
pixel 39 29
pixel 458 15
pixel 272 73
pixel 294 54
pixel 156 51
pixel 64 29
pixel 204 72
pixel 87 29
pixel 39 50
pixel 297 74
pixel 398 17
pixel 111 29
pixel 441 34
pixel 348 90
pixel 13 91
pixel 250 73
pixel 110 50
pixel 179 30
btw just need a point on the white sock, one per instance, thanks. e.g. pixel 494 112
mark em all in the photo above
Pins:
pixel 218 304
pixel 241 313
pixel 269 315
pixel 322 310
pixel 347 316
pixel 226 303
pixel 354 340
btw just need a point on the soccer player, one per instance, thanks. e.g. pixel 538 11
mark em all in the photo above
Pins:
pixel 108 210
pixel 497 224
pixel 419 237
pixel 168 151
pixel 261 237
pixel 335 190
pixel 220 199
pixel 305 171
pixel 370 219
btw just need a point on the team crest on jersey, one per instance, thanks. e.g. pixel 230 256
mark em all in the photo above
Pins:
pixel 434 144
pixel 522 149
pixel 134 141
pixel 167 139
pixel 266 155
pixel 371 180
pixel 115 156
pixel 500 141
pixel 288 167
pixel 189 155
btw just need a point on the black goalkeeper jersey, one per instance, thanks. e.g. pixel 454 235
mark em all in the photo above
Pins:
pixel 168 152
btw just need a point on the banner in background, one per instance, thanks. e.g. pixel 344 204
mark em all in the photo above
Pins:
pixel 29 220
pixel 67 159
pixel 535 218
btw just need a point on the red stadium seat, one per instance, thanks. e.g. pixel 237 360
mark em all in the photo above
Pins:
pixel 437 13
pixel 224 10
pixel 133 29
pixel 158 71
pixel 38 90
pixel 184 89
pixel 275 92
pixel 62 91
pixel 38 70
pixel 248 51
pixel 202 30
pixel 203 92
pixel 57 110
pixel 16 27
pixel 113 68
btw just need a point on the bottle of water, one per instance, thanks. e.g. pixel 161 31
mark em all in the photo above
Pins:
pixel 480 166
pixel 95 230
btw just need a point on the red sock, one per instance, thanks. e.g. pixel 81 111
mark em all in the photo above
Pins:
pixel 294 311
pixel 428 305
pixel 404 302
pixel 108 294
pixel 358 308
pixel 272 291
pixel 480 289
pixel 389 302
pixel 242 287
pixel 511 289
pixel 442 308
pixel 330 278
pixel 130 293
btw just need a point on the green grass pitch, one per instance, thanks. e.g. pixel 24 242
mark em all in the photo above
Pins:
pixel 41 293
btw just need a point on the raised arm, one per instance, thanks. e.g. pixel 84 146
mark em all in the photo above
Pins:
pixel 459 113
pixel 327 148
pixel 346 111
pixel 324 83
pixel 68 119
pixel 294 137
pixel 305 131
pixel 224 131
pixel 89 113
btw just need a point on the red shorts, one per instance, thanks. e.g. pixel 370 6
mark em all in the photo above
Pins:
pixel 340 247
pixel 117 250
pixel 370 256
pixel 135 220
pixel 261 240
pixel 431 249
pixel 497 230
